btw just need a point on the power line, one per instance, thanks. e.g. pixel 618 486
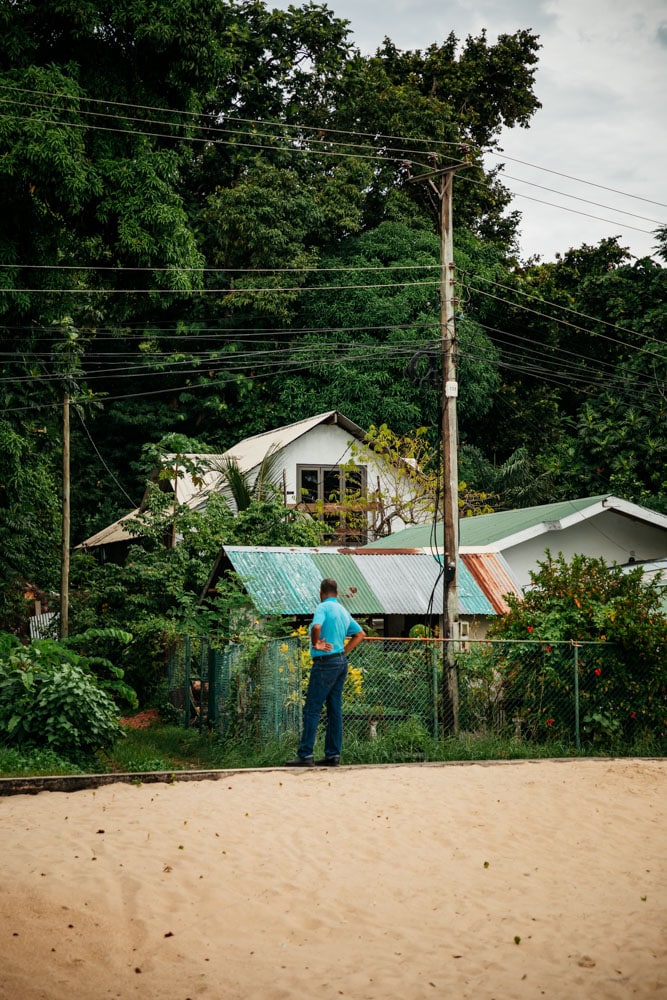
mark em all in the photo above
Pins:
pixel 240 290
pixel 555 305
pixel 99 455
pixel 401 151
pixel 530 363
pixel 575 197
pixel 579 180
pixel 219 270
pixel 563 322
pixel 430 144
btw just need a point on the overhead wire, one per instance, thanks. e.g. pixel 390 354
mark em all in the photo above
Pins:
pixel 531 364
pixel 101 458
pixel 428 144
pixel 265 290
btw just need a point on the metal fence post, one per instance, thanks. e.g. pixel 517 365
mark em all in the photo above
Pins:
pixel 577 737
pixel 212 687
pixel 434 665
pixel 186 684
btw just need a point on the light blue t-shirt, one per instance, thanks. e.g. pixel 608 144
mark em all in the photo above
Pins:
pixel 336 624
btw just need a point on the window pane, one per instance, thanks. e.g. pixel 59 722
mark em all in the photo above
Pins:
pixel 331 481
pixel 354 483
pixel 308 492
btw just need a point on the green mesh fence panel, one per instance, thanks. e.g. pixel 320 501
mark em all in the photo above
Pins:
pixel 562 693
pixel 535 691
pixel 392 681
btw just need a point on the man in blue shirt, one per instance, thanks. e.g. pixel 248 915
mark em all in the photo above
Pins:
pixel 333 634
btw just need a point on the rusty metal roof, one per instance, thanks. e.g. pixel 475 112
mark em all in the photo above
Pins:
pixel 493 575
pixel 287 581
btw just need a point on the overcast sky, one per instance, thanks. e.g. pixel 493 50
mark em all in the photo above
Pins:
pixel 602 82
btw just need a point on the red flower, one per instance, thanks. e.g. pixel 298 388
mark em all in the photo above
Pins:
pixel 633 715
pixel 550 722
pixel 548 649
pixel 530 628
pixel 598 671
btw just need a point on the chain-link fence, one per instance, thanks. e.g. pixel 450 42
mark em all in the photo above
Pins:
pixel 562 693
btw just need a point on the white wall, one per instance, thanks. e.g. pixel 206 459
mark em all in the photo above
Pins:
pixel 329 444
pixel 609 536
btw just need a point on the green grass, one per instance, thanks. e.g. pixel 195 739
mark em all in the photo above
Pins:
pixel 32 763
pixel 164 747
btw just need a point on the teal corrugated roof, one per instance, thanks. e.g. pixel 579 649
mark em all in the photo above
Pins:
pixel 279 581
pixel 287 581
pixel 472 600
pixel 354 591
pixel 486 528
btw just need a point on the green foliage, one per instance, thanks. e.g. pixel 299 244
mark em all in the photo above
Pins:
pixel 176 179
pixel 617 618
pixel 29 509
pixel 51 697
pixel 16 762
pixel 381 354
pixel 156 593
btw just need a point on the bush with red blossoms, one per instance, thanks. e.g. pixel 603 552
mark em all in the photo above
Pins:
pixel 615 621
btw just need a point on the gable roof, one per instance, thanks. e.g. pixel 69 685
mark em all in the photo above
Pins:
pixel 248 454
pixel 505 528
pixel 287 580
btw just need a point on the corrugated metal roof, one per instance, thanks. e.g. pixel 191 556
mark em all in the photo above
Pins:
pixel 354 589
pixel 287 581
pixel 494 577
pixel 489 528
pixel 405 584
pixel 486 528
pixel 116 532
pixel 279 581
pixel 250 452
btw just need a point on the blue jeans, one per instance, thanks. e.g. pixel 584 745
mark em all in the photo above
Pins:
pixel 325 687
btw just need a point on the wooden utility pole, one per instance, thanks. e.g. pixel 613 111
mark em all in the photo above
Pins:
pixel 64 567
pixel 450 469
pixel 66 352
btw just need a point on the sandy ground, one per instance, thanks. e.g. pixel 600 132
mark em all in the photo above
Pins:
pixel 489 882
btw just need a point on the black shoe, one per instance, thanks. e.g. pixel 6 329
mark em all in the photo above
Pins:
pixel 328 762
pixel 300 762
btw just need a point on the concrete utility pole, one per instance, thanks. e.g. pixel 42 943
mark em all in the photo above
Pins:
pixel 450 485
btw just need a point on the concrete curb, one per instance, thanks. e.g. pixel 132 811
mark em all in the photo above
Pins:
pixel 79 782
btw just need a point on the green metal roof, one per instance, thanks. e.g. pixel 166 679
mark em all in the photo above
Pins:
pixel 486 528
pixel 287 581
pixel 354 591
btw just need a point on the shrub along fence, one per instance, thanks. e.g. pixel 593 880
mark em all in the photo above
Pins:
pixel 566 693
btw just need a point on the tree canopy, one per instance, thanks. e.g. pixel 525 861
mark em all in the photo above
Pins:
pixel 214 224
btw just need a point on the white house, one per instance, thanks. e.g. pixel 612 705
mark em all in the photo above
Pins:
pixel 603 527
pixel 315 474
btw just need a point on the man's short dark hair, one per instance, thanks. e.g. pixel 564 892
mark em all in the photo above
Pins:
pixel 328 586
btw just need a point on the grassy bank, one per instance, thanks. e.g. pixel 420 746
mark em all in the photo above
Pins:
pixel 162 747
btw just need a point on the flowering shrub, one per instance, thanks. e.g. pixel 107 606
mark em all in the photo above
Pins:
pixel 617 619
